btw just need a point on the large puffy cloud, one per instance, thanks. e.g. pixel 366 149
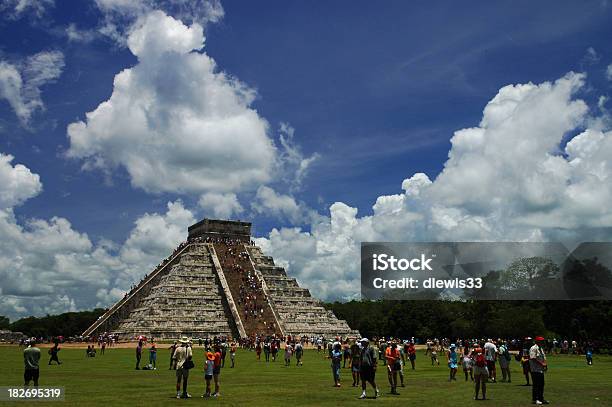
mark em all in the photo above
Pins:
pixel 20 83
pixel 173 121
pixel 46 266
pixel 512 177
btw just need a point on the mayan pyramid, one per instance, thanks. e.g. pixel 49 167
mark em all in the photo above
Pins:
pixel 218 283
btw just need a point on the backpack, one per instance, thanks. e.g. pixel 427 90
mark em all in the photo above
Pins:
pixel 480 360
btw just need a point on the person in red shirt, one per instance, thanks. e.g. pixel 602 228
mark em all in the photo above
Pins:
pixel 411 354
pixel 392 355
pixel 217 370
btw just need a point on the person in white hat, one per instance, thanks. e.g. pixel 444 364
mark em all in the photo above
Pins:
pixel 182 355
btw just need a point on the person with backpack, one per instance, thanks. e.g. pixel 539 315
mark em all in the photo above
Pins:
pixel 481 372
pixel 183 356
pixel 368 367
pixel 504 361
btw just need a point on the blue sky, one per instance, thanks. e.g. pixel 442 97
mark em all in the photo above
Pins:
pixel 371 93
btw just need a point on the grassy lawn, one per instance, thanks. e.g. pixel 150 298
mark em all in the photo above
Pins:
pixel 111 380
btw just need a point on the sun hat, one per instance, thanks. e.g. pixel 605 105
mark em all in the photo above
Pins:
pixel 184 339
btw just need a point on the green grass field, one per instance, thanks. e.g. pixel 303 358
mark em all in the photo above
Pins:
pixel 112 380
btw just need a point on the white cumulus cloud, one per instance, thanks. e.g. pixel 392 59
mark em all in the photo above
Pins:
pixel 174 121
pixel 46 266
pixel 511 178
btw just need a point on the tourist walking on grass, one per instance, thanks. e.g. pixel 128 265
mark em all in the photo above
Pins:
pixel 589 354
pixel 209 368
pixel 355 363
pixel 346 354
pixel 491 356
pixel 288 354
pixel 183 357
pixel 336 359
pixel 233 354
pixel 31 358
pixel 523 358
pixel 153 356
pixel 467 363
pixel 411 354
pixel 538 366
pixel 217 371
pixel 368 368
pixel 504 362
pixel 393 358
pixel 481 372
pixel 266 349
pixel 452 359
pixel 434 355
pixel 299 353
pixel 172 360
pixel 274 350
pixel 53 352
pixel 258 350
pixel 138 354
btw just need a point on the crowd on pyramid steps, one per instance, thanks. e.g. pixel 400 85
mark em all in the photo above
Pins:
pixel 245 287
pixel 180 247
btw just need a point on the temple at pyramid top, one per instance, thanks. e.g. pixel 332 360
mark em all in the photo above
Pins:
pixel 224 229
pixel 218 283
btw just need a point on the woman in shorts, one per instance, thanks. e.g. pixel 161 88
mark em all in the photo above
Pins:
pixel 355 363
pixel 208 372
pixel 467 363
pixel 434 355
pixel 481 373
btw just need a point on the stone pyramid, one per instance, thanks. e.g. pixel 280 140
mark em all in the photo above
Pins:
pixel 218 283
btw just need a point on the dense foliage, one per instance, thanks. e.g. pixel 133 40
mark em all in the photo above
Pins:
pixel 67 324
pixel 423 319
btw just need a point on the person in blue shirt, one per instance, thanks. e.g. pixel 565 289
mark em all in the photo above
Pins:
pixel 589 354
pixel 451 355
pixel 336 359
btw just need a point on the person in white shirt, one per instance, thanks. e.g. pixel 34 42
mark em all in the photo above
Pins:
pixel 491 356
pixel 182 355
pixel 537 365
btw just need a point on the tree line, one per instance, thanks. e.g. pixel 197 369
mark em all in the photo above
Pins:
pixel 580 320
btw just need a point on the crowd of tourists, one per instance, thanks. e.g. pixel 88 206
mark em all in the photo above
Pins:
pixel 482 361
